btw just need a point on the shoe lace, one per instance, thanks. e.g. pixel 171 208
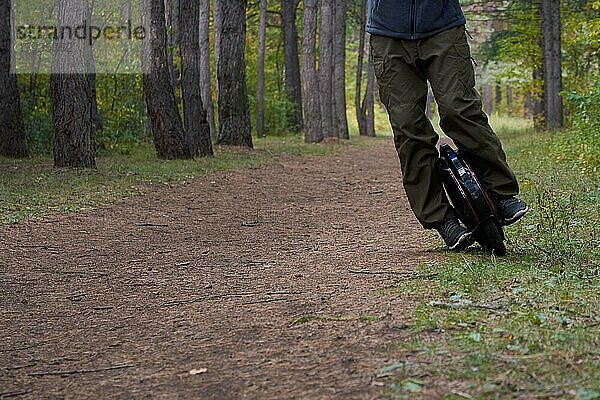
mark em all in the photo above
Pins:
pixel 507 201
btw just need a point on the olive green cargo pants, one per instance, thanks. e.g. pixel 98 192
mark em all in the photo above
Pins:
pixel 403 68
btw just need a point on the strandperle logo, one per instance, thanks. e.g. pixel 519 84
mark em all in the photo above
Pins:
pixel 90 33
pixel 78 36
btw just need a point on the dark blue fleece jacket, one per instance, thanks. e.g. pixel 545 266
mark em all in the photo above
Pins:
pixel 413 19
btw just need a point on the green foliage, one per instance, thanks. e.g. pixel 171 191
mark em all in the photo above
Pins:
pixel 518 47
pixel 277 108
pixel 38 124
pixel 121 107
pixel 586 118
pixel 111 141
pixel 120 103
pixel 581 44
pixel 36 106
pixel 520 44
pixel 277 104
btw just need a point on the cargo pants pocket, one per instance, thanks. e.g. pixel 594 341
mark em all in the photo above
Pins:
pixel 464 64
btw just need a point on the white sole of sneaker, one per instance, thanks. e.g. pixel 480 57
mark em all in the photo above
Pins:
pixel 515 217
pixel 462 241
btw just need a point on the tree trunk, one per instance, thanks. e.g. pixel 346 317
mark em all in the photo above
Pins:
pixel 488 98
pixel 70 92
pixel 159 94
pixel 234 112
pixel 498 94
pixel 508 95
pixel 91 70
pixel 217 46
pixel 528 111
pixel 196 126
pixel 551 61
pixel 538 103
pixel 172 32
pixel 326 68
pixel 205 75
pixel 260 71
pixel 291 79
pixel 340 119
pixel 12 129
pixel 369 100
pixel 360 117
pixel 310 82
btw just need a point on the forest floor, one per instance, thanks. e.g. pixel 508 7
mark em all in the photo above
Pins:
pixel 259 283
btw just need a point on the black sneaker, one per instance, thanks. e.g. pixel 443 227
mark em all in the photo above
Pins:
pixel 511 209
pixel 455 235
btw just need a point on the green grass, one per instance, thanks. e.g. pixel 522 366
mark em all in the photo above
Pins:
pixel 32 188
pixel 542 340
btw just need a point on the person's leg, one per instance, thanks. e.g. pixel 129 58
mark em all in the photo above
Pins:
pixel 447 58
pixel 403 91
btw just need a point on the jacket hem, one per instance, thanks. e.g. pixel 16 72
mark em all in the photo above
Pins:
pixel 417 36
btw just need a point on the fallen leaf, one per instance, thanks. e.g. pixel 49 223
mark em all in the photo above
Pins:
pixel 198 371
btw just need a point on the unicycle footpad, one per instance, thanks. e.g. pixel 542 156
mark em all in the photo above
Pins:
pixel 470 200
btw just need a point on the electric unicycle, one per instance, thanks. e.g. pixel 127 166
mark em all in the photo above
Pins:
pixel 472 203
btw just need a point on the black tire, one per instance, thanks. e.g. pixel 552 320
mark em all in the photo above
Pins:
pixel 491 238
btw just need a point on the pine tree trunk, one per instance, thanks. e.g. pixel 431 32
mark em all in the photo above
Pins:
pixel 291 80
pixel 360 117
pixel 551 61
pixel 91 69
pixel 538 103
pixel 12 129
pixel 70 92
pixel 205 68
pixel 159 94
pixel 488 98
pixel 196 127
pixel 260 71
pixel 340 119
pixel 326 68
pixel 528 107
pixel 217 30
pixel 498 94
pixel 172 32
pixel 369 100
pixel 234 111
pixel 310 82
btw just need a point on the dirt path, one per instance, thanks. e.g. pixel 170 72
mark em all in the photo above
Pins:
pixel 253 278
